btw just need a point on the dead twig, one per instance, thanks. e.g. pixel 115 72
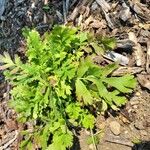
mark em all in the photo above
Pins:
pixel 120 141
pixel 139 56
pixel 127 70
pixel 67 6
pixel 110 24
pixel 148 58
pixel 45 17
pixel 6 143
pixel 64 11
pixel 105 6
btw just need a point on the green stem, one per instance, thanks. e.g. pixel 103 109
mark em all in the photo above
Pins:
pixel 93 140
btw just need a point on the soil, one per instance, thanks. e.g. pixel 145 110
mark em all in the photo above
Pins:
pixel 117 18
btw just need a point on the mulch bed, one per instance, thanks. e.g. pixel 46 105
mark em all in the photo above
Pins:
pixel 126 20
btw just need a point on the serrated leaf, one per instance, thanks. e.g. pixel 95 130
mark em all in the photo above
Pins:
pixel 109 43
pixel 124 84
pixel 83 93
pixel 88 121
pixel 118 100
pixel 25 142
pixel 7 61
pixel 62 140
pixel 83 37
pixel 83 68
pixel 102 90
pixel 98 49
pixel 107 70
pixel 57 69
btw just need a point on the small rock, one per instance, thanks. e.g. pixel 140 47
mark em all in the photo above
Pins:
pixel 87 132
pixel 138 94
pixel 134 102
pixel 126 132
pixel 143 132
pixel 139 125
pixel 115 127
pixel 125 120
pixel 135 106
pixel 91 147
pixel 94 6
pixel 102 125
pixel 11 125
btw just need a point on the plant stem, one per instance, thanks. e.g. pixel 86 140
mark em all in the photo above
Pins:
pixel 93 140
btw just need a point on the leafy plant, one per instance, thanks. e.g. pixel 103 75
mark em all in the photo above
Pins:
pixel 56 85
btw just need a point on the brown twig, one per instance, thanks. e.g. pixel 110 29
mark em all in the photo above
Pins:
pixel 119 141
pixel 6 143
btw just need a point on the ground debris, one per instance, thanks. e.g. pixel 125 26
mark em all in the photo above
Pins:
pixel 115 127
pixel 127 70
pixel 144 80
pixel 148 57
pixel 126 20
pixel 139 54
pixel 2 8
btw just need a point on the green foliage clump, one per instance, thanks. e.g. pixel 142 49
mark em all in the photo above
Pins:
pixel 58 82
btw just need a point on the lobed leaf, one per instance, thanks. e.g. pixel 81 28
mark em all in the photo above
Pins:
pixel 83 93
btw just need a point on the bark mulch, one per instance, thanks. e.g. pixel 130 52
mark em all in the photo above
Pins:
pixel 126 20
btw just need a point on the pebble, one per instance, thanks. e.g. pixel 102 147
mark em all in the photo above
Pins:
pixel 115 127
pixel 87 132
pixel 139 125
pixel 94 6
pixel 134 102
pixel 143 132
pixel 91 147
pixel 138 94
pixel 135 106
pixel 102 125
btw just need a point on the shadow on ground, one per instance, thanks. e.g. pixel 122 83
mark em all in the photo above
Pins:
pixel 142 146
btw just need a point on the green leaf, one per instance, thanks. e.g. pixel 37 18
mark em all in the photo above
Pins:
pixel 101 88
pixel 118 100
pixel 98 49
pixel 25 143
pixel 83 68
pixel 83 93
pixel 124 84
pixel 82 37
pixel 104 106
pixel 88 121
pixel 7 61
pixel 109 43
pixel 62 141
pixel 107 70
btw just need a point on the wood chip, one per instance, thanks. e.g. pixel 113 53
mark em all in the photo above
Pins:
pixel 148 57
pixel 105 6
pixel 2 7
pixel 74 14
pixel 127 70
pixel 118 140
pixel 140 9
pixel 109 22
pixel 139 54
pixel 125 13
pixel 144 80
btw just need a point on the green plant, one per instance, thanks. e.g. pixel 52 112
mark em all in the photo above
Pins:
pixel 136 140
pixel 56 85
pixel 89 139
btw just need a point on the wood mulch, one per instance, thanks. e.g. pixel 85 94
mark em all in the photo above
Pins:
pixel 126 20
